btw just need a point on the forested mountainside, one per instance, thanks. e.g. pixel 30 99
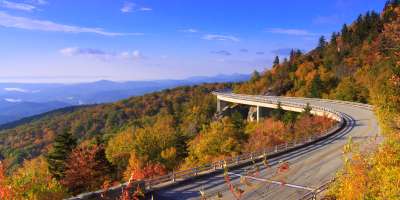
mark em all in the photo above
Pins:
pixel 153 133
pixel 360 63
pixel 190 107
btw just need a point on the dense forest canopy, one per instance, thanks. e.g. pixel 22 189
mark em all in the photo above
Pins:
pixel 151 134
pixel 189 107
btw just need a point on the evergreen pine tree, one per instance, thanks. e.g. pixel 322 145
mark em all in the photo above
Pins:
pixel 237 120
pixel 289 118
pixel 276 61
pixel 333 39
pixel 298 53
pixel 316 85
pixel 292 55
pixel 56 158
pixel 321 42
pixel 345 33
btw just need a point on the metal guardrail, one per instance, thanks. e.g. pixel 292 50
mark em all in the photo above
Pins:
pixel 114 191
pixel 181 175
pixel 275 100
pixel 312 195
pixel 356 104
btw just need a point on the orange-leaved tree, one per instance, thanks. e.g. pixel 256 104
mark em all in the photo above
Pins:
pixel 141 169
pixel 86 169
pixel 268 133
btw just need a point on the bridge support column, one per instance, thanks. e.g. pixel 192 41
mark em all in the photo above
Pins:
pixel 258 114
pixel 220 105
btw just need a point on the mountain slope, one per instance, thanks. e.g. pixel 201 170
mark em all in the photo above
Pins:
pixel 19 100
pixel 360 63
pixel 33 138
pixel 17 110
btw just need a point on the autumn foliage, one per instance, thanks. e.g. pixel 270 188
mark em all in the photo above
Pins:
pixel 268 133
pixel 86 169
pixel 139 170
pixel 273 132
pixel 32 181
pixel 146 136
pixel 219 140
pixel 6 191
pixel 227 137
pixel 377 175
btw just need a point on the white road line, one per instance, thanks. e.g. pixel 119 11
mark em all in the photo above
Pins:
pixel 274 182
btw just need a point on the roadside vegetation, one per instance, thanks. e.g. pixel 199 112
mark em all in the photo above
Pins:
pixel 67 153
pixel 232 136
pixel 360 63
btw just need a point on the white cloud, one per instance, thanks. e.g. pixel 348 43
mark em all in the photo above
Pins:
pixel 38 2
pixel 296 32
pixel 15 90
pixel 128 7
pixel 131 55
pixel 222 52
pixel 16 6
pixel 100 54
pixel 190 30
pixel 145 9
pixel 74 51
pixel 221 37
pixel 13 100
pixel 10 21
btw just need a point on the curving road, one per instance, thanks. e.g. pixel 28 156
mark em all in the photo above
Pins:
pixel 309 167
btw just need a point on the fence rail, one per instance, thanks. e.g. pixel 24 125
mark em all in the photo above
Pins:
pixel 278 98
pixel 312 195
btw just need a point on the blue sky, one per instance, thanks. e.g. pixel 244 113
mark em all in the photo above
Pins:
pixel 86 40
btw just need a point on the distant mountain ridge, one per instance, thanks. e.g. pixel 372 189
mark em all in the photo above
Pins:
pixel 19 100
pixel 18 110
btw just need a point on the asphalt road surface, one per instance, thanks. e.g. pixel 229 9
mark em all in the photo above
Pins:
pixel 309 167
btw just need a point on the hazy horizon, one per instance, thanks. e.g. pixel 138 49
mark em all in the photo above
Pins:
pixel 78 80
